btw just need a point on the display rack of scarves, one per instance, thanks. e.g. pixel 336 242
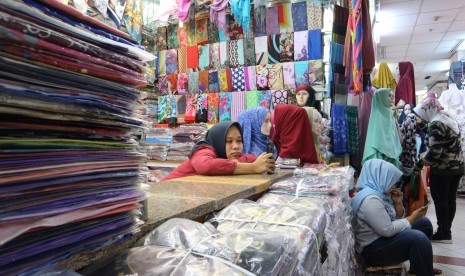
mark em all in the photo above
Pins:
pixel 225 106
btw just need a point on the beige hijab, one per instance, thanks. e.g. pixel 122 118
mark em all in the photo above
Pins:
pixel 316 136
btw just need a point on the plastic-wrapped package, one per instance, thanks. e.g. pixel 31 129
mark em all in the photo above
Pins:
pixel 309 185
pixel 159 153
pixel 305 224
pixel 181 246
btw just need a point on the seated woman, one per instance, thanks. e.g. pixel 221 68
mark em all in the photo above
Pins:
pixel 221 154
pixel 252 121
pixel 383 235
pixel 289 129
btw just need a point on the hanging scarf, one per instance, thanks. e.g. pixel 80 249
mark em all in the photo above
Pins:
pixel 250 76
pixel 339 126
pixel 236 53
pixel 160 42
pixel 224 78
pixel 259 19
pixel 301 46
pixel 182 36
pixel 214 56
pixel 225 106
pixel 351 113
pixel 182 60
pixel 218 14
pixel 285 18
pixel 316 136
pixel 249 51
pixel 275 76
pixel 431 110
pixel 286 47
pixel 251 100
pixel 382 140
pixel 172 37
pixel 224 54
pixel 262 77
pixel 315 73
pixel 301 72
pixel 161 112
pixel 203 81
pixel 288 75
pixel 183 10
pixel 214 85
pixel 272 25
pixel 264 99
pixel 405 89
pixel 213 105
pixel 183 83
pixel 251 121
pixel 238 104
pixel 273 49
pixel 192 57
pixel 384 78
pixel 279 97
pixel 240 9
pixel 299 16
pixel 193 82
pixel 238 78
pixel 171 61
pixel 261 50
pixel 315 48
pixel 204 57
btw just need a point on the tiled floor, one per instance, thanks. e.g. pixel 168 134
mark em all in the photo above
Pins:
pixel 450 258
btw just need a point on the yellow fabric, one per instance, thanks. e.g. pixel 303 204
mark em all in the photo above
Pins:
pixel 384 77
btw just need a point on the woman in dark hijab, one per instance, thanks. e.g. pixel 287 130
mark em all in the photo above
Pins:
pixel 221 154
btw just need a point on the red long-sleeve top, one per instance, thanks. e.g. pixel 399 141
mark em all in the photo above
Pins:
pixel 204 161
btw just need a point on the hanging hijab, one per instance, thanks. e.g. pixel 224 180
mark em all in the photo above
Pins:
pixel 405 89
pixel 376 178
pixel 403 115
pixel 430 110
pixel 218 13
pixel 216 138
pixel 316 136
pixel 251 121
pixel 382 140
pixel 384 78
pixel 291 133
pixel 240 9
pixel 311 94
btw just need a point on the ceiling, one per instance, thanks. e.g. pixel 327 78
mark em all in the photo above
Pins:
pixel 424 32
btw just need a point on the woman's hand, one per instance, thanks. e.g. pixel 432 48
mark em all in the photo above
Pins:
pixel 264 163
pixel 417 214
pixel 397 197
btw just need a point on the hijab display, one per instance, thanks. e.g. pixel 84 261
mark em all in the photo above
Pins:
pixel 430 110
pixel 216 138
pixel 292 134
pixel 305 95
pixel 405 89
pixel 384 78
pixel 452 100
pixel 382 140
pixel 251 121
pixel 315 122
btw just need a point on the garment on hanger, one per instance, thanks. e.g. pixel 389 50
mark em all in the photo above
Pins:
pixel 405 89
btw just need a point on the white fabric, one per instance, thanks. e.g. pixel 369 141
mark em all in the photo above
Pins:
pixel 431 111
pixel 452 100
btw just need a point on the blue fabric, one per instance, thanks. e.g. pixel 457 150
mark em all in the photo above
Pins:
pixel 240 9
pixel 376 178
pixel 339 125
pixel 315 48
pixel 251 121
pixel 336 53
pixel 411 244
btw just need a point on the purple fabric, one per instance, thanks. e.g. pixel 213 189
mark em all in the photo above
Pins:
pixel 218 13
pixel 272 25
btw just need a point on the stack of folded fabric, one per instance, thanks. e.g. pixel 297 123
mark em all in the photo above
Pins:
pixel 184 139
pixel 71 168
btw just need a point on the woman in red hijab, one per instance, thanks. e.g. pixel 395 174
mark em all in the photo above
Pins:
pixel 405 90
pixel 289 128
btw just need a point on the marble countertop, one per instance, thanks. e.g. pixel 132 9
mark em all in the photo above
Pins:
pixel 189 197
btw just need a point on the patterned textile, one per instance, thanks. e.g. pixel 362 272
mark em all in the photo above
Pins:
pixel 236 53
pixel 240 10
pixel 251 99
pixel 182 60
pixel 315 72
pixel 238 104
pixel 289 75
pixel 202 108
pixel 278 97
pixel 191 108
pixel 250 75
pixel 201 31
pixel 238 78
pixel 249 51
pixel 171 61
pixel 163 85
pixel 133 19
pixel 337 53
pixel 191 41
pixel 161 112
pixel 264 98
pixel 193 82
pixel 351 113
pixel 315 48
pixel 275 76
pixel 213 36
pixel 213 106
pixel 225 80
pixel 214 85
pixel 314 16
pixel 340 93
pixel 272 25
pixel 182 36
pixel 214 55
pixel 192 57
pixel 299 16
pixel 160 42
pixel 224 35
pixel 183 83
pixel 171 106
pixel 225 106
pixel 181 102
pixel 261 50
pixel 235 30
pixel 409 143
pixel 339 126
pixel 172 37
pixel 204 57
pixel 172 83
pixel 259 21
pixel 203 81
pixel 301 72
pixel 262 77
pixel 356 34
pixel 273 49
pixel 286 47
pixel 285 18
pixel 301 46
pixel 224 54
pixel 162 63
pixel 291 98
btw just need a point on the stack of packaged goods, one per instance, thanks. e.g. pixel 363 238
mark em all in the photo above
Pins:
pixel 184 139
pixel 325 188
pixel 72 172
pixel 158 142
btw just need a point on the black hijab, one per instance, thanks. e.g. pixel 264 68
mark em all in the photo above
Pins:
pixel 216 138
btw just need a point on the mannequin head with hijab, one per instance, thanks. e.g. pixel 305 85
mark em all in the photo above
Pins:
pixel 305 95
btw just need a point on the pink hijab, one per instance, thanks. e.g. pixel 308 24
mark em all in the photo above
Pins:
pixel 405 89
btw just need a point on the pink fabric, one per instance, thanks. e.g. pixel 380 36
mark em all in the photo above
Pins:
pixel 183 9
pixel 238 104
pixel 218 13
pixel 288 75
pixel 165 9
pixel 250 78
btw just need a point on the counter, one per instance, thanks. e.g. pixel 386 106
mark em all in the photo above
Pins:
pixel 190 197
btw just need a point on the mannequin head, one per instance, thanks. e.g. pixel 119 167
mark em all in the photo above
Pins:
pixel 316 122
pixel 266 125
pixel 305 95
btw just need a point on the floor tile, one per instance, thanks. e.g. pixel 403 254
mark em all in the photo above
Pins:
pixel 446 271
